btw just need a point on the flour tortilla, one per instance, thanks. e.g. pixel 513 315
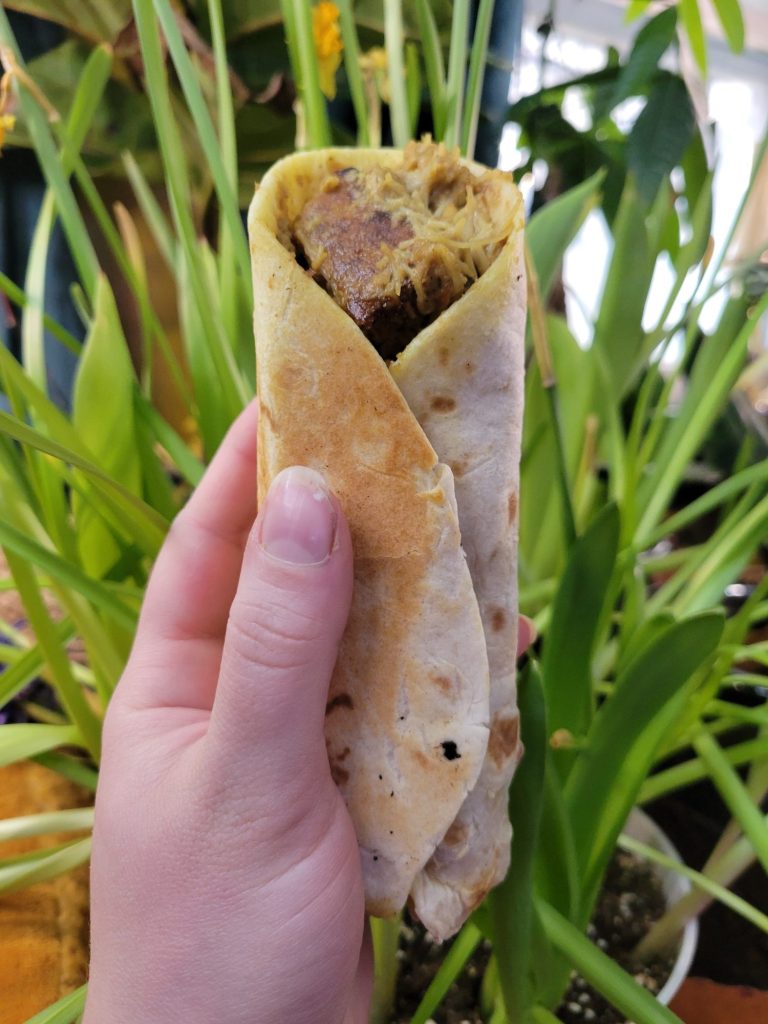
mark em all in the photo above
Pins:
pixel 423 456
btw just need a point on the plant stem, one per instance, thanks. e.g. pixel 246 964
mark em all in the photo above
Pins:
pixel 353 70
pixel 394 39
pixel 457 67
pixel 386 937
pixel 477 62
pixel 315 109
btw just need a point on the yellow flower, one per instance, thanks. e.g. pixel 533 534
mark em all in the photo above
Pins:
pixel 7 124
pixel 375 67
pixel 328 44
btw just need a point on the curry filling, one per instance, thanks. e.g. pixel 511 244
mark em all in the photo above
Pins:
pixel 395 247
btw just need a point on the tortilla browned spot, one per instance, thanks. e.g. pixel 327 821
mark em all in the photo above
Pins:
pixel 505 733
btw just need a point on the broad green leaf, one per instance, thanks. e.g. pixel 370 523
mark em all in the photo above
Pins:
pixel 661 135
pixel 552 228
pixel 691 18
pixel 75 820
pixel 66 1011
pixel 462 948
pixel 619 329
pixel 650 44
pixel 576 616
pixel 103 417
pixel 624 738
pixel 732 20
pixel 618 987
pixel 44 865
pixel 18 742
pixel 510 904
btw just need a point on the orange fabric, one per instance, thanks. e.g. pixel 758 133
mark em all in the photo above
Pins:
pixel 44 928
pixel 704 1002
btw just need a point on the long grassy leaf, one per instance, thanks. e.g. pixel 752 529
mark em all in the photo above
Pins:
pixel 720 893
pixel 66 573
pixel 69 768
pixel 19 298
pixel 39 129
pixel 576 615
pixel 691 18
pixel 435 66
pixel 177 179
pixel 457 68
pixel 510 904
pixel 553 227
pixel 19 876
pixel 462 948
pixel 477 62
pixel 149 527
pixel 68 690
pixel 18 742
pixel 618 987
pixel 28 667
pixel 66 1011
pixel 216 153
pixel 353 71
pixel 715 373
pixel 624 738
pixel 75 820
pixel 394 37
pixel 734 794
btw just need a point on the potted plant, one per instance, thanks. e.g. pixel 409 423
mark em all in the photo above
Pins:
pixel 624 675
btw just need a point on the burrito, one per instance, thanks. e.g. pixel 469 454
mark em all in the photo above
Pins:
pixel 389 319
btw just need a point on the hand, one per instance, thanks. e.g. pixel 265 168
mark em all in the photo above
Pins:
pixel 226 881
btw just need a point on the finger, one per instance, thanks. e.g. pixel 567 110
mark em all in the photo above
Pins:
pixel 282 641
pixel 526 634
pixel 178 644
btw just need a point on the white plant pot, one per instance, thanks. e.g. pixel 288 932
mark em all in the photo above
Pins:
pixel 645 830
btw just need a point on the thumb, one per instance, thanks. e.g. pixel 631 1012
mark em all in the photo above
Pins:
pixel 282 638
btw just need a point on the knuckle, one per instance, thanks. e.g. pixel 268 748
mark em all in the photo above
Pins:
pixel 275 634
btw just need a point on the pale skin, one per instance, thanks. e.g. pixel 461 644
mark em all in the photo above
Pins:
pixel 226 882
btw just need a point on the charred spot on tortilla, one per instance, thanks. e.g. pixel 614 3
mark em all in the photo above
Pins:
pixel 450 750
pixel 395 247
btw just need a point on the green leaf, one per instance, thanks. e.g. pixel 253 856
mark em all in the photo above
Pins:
pixel 15 677
pixel 576 616
pixel 98 21
pixel 732 20
pixel 18 742
pixel 661 135
pixel 462 948
pixel 619 335
pixel 76 820
pixel 70 768
pixel 510 904
pixel 103 417
pixel 66 1011
pixel 624 738
pixel 691 18
pixel 554 226
pixel 70 575
pixel 651 43
pixel 734 793
pixel 707 885
pixel 43 865
pixel 715 372
pixel 618 987
pixel 434 64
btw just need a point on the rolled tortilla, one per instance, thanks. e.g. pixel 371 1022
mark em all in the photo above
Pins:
pixel 423 454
